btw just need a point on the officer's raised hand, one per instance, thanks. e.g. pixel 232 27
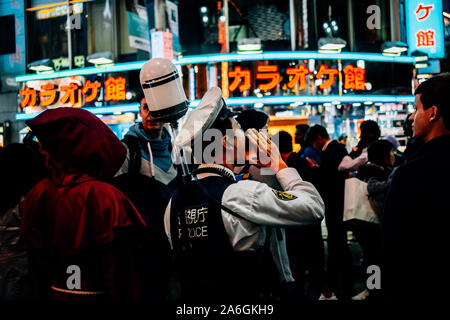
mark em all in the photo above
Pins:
pixel 263 152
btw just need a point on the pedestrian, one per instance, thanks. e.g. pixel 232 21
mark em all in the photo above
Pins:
pixel 399 157
pixel 370 132
pixel 252 119
pixel 304 243
pixel 78 228
pixel 216 225
pixel 279 282
pixel 413 146
pixel 368 234
pixel 416 215
pixel 306 150
pixel 343 139
pixel 19 172
pixel 331 185
pixel 155 146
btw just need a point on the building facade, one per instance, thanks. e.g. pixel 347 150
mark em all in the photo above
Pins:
pixel 317 61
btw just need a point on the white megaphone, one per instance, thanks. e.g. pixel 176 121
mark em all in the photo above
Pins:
pixel 163 90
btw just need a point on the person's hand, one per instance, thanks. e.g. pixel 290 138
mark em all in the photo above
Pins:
pixel 263 152
pixel 311 162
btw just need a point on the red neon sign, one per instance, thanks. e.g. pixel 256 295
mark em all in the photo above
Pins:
pixel 50 93
pixel 299 75
pixel 354 77
pixel 331 73
pixel 93 86
pixel 237 74
pixel 114 90
pixel 268 72
pixel 29 97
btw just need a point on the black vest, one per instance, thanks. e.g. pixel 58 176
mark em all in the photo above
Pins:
pixel 209 268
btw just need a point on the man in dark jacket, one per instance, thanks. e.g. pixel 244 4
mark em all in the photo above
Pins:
pixel 154 141
pixel 304 243
pixel 416 216
pixel 331 185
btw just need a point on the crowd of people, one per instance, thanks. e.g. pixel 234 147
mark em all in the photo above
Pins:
pixel 84 215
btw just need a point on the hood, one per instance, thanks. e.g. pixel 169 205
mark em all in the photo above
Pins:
pixel 161 155
pixel 79 140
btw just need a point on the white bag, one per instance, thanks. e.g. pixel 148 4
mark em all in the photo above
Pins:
pixel 356 202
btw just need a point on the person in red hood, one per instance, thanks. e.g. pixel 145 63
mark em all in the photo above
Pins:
pixel 71 219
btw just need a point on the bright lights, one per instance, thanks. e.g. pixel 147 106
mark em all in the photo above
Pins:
pixel 101 59
pixel 249 45
pixel 214 58
pixel 394 48
pixel 331 45
pixel 41 66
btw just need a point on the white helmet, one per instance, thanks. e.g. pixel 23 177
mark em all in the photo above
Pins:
pixel 163 90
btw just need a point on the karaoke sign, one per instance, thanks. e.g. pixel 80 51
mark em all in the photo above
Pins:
pixel 47 94
pixel 268 77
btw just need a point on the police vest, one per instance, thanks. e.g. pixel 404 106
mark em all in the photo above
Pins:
pixel 209 267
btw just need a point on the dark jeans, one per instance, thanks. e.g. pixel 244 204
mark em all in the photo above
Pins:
pixel 339 266
pixel 306 253
pixel 368 236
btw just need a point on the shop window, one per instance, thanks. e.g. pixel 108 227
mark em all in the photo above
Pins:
pixel 133 31
pixel 371 40
pixel 8 43
pixel 47 35
pixel 203 24
pixel 101 30
pixel 95 29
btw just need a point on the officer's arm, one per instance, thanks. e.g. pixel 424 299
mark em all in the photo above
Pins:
pixel 299 204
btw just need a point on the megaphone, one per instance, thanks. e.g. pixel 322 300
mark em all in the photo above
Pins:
pixel 163 90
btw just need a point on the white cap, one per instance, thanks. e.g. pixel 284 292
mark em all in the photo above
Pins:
pixel 202 117
pixel 163 90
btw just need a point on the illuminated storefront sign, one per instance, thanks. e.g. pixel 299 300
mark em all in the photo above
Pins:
pixel 50 94
pixel 425 27
pixel 59 11
pixel 268 78
pixel 354 77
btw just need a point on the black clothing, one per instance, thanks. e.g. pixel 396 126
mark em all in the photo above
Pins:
pixel 210 270
pixel 148 195
pixel 304 244
pixel 368 234
pixel 370 170
pixel 331 186
pixel 413 147
pixel 296 161
pixel 415 226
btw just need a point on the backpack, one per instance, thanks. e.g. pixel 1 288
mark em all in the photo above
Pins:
pixel 150 245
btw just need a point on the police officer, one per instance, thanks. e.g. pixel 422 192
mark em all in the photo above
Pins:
pixel 216 226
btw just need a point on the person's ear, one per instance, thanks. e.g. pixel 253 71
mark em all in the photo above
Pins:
pixel 434 114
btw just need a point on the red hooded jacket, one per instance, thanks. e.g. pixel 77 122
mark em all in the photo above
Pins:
pixel 71 217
